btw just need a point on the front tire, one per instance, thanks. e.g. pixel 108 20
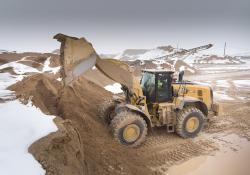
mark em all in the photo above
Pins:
pixel 129 128
pixel 107 111
pixel 190 121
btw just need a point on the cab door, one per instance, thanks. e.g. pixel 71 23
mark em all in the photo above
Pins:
pixel 163 87
pixel 148 86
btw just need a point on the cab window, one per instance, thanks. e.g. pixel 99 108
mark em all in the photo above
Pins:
pixel 164 88
pixel 148 86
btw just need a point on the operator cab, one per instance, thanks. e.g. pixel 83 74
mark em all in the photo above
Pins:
pixel 157 85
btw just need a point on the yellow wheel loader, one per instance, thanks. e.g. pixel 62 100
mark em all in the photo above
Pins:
pixel 154 101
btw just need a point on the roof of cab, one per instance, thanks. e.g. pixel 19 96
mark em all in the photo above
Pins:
pixel 158 71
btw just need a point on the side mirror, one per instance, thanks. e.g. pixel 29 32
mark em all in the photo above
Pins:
pixel 181 74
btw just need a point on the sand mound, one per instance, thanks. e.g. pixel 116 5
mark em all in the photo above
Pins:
pixel 41 89
pixel 177 65
pixel 9 56
pixel 60 152
pixel 83 144
pixel 199 58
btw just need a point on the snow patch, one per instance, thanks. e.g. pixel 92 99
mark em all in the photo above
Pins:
pixel 114 88
pixel 6 80
pixel 151 54
pixel 220 96
pixel 242 83
pixel 59 79
pixel 19 68
pixel 47 68
pixel 222 83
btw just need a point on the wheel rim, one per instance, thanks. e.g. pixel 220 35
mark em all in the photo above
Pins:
pixel 192 124
pixel 131 133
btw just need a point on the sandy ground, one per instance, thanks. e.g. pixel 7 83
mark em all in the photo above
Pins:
pixel 83 144
pixel 162 150
pixel 229 133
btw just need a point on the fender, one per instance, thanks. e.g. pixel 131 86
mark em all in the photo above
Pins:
pixel 132 108
pixel 181 102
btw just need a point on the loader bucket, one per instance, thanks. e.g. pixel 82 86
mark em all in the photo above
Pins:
pixel 76 55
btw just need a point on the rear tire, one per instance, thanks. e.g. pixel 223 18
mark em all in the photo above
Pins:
pixel 190 121
pixel 129 128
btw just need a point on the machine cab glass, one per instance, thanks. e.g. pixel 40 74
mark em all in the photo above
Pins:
pixel 148 86
pixel 157 86
pixel 164 87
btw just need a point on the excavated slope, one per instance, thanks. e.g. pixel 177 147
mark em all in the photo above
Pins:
pixel 83 143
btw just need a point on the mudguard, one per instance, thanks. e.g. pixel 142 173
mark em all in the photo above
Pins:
pixel 132 108
pixel 186 100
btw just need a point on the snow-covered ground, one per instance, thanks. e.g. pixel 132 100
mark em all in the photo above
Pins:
pixel 20 126
pixel 142 54
pixel 222 83
pixel 242 83
pixel 222 96
pixel 201 58
pixel 20 68
pixel 151 54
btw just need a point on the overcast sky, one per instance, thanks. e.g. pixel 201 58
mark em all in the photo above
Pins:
pixel 115 25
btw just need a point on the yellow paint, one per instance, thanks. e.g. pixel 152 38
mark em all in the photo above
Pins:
pixel 191 90
pixel 131 133
pixel 192 124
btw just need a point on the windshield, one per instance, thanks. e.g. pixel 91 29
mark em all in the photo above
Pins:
pixel 147 78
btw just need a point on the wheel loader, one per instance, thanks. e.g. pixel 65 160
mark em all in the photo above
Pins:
pixel 154 100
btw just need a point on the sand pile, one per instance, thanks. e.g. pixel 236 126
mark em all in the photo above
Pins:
pixel 83 143
pixel 215 59
pixel 41 89
pixel 177 65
